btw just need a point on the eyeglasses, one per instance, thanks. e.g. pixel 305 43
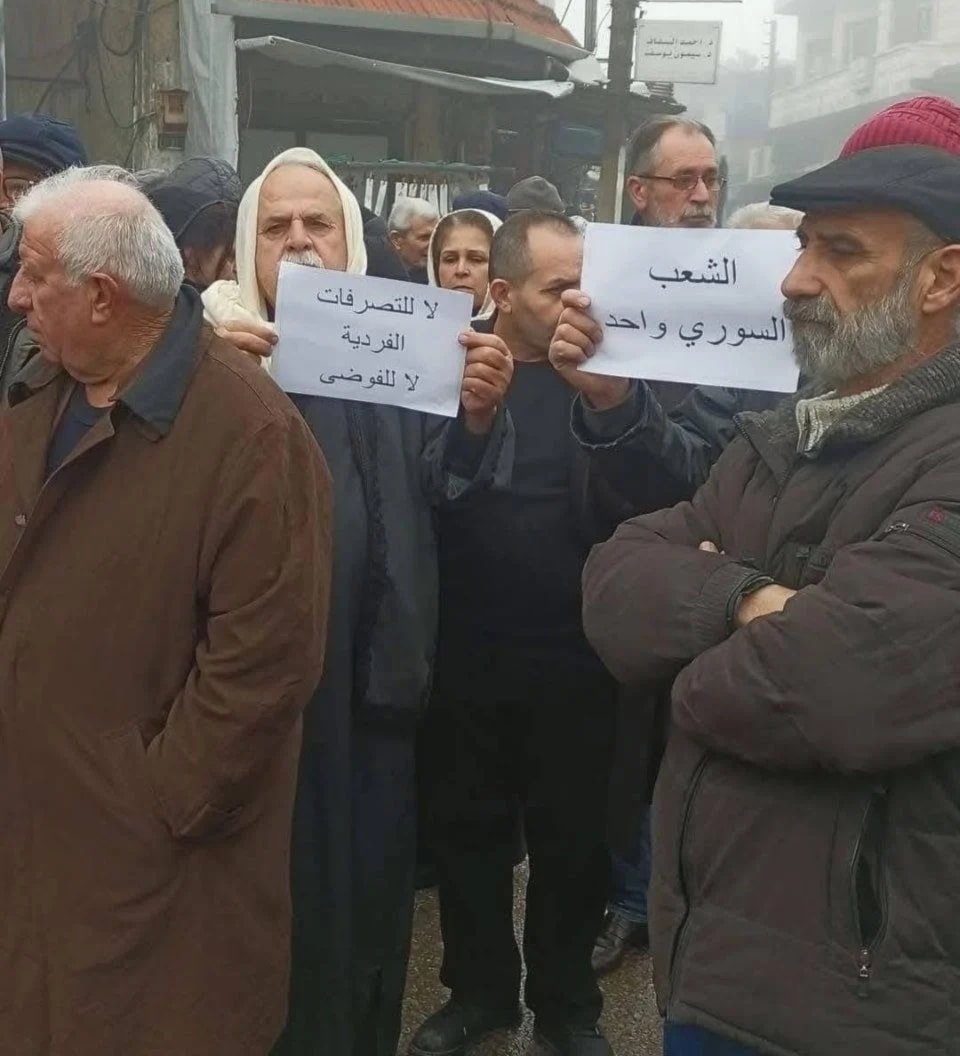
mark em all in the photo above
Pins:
pixel 687 181
pixel 15 187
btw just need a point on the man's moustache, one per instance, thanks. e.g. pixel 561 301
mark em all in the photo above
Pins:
pixel 308 259
pixel 810 310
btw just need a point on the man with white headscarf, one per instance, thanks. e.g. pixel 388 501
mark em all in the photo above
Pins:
pixel 354 830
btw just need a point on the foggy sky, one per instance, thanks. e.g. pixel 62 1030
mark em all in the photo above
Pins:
pixel 742 23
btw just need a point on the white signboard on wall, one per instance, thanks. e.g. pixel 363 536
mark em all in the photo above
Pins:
pixel 680 52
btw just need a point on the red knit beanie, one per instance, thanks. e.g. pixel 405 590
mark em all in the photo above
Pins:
pixel 927 121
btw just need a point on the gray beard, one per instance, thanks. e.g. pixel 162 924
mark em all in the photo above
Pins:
pixel 653 217
pixel 831 348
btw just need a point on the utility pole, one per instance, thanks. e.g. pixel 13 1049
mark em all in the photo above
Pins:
pixel 623 24
pixel 771 65
pixel 589 25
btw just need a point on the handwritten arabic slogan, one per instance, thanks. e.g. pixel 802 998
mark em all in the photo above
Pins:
pixel 375 340
pixel 694 306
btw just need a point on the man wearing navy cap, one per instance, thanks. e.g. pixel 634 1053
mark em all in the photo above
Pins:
pixel 35 146
pixel 804 897
pixel 32 147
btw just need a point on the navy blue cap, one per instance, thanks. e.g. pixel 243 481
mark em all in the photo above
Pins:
pixel 485 200
pixel 43 142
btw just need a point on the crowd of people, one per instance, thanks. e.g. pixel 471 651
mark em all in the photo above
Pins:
pixel 269 659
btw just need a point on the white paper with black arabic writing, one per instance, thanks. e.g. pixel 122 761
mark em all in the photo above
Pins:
pixel 691 305
pixel 351 337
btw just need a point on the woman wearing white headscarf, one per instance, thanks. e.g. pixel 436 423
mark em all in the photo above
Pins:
pixel 459 256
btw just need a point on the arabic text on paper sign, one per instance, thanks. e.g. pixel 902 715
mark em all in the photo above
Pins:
pixel 692 306
pixel 372 340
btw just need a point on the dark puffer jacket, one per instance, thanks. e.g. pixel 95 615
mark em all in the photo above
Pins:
pixel 805 897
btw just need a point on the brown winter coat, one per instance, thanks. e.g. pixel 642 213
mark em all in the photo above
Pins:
pixel 806 889
pixel 163 604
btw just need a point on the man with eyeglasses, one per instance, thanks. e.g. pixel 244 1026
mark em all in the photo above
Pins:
pixel 674 174
pixel 32 147
pixel 654 444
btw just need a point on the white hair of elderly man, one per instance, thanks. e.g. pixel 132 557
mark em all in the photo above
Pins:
pixel 765 217
pixel 407 211
pixel 119 234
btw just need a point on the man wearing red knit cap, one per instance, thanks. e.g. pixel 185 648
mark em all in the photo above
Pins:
pixel 927 121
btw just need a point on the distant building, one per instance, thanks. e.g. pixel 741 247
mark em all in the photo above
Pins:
pixel 854 57
pixel 737 109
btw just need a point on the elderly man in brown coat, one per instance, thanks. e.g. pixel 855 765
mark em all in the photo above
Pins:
pixel 807 815
pixel 164 564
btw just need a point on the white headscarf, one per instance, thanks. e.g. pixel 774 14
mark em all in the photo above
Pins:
pixel 488 307
pixel 242 301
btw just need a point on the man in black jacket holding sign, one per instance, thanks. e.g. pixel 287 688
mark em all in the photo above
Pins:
pixel 523 712
pixel 653 456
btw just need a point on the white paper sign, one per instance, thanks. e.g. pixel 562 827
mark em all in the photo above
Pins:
pixel 351 337
pixel 696 306
pixel 681 52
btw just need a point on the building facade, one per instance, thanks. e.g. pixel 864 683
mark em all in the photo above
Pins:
pixel 855 57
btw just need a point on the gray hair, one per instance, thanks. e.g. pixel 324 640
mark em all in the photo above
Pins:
pixel 645 142
pixel 762 215
pixel 407 211
pixel 111 174
pixel 122 236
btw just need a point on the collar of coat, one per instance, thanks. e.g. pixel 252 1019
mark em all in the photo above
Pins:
pixel 156 391
pixel 935 381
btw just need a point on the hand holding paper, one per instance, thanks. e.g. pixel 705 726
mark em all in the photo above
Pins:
pixel 487 377
pixel 254 338
pixel 574 343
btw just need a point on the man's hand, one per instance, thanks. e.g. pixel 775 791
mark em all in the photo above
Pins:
pixel 486 379
pixel 574 342
pixel 256 339
pixel 763 602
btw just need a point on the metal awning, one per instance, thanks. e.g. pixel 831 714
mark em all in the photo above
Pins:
pixel 281 49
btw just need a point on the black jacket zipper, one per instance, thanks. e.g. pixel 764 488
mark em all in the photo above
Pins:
pixel 946 538
pixel 687 808
pixel 867 947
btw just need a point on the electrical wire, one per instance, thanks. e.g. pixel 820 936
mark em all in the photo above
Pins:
pixel 108 106
pixel 86 50
pixel 139 16
pixel 140 126
pixel 58 77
